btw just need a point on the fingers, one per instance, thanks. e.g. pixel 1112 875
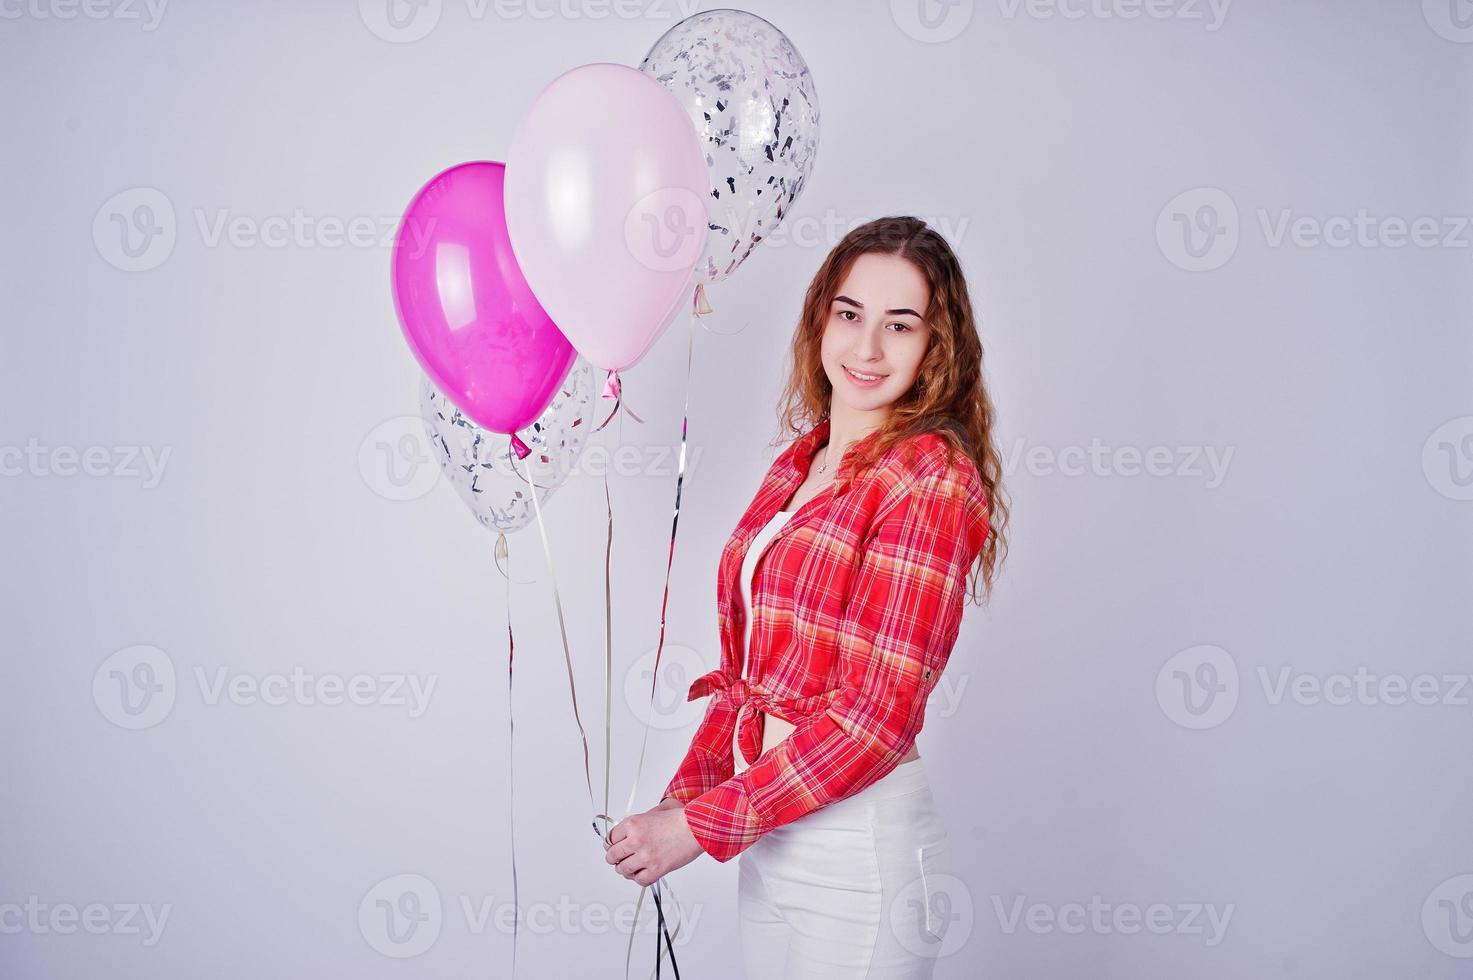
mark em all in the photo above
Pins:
pixel 625 854
pixel 630 868
pixel 625 858
pixel 631 863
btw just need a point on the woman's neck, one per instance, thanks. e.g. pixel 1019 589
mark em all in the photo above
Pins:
pixel 847 426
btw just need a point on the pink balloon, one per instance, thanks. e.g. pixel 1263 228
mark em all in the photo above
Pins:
pixel 473 322
pixel 606 207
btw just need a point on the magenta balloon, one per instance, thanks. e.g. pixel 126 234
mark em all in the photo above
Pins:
pixel 474 324
pixel 607 207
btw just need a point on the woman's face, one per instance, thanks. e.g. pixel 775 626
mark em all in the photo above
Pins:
pixel 874 327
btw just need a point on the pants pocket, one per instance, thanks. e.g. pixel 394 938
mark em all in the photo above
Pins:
pixel 932 859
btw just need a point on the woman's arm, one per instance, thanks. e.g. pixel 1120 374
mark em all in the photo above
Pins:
pixel 701 769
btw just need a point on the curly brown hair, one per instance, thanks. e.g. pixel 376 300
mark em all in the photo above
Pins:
pixel 948 397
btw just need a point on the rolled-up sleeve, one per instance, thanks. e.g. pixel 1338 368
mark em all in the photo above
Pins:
pixel 895 636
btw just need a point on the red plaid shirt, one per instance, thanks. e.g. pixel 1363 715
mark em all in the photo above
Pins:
pixel 856 604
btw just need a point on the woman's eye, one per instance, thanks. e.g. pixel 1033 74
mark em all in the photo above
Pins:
pixel 902 326
pixel 844 313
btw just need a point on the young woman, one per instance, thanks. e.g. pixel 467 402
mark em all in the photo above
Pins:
pixel 839 598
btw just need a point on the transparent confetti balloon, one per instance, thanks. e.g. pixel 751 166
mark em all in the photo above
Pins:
pixel 753 103
pixel 479 462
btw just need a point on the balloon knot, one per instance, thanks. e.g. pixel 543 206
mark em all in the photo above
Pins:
pixel 611 386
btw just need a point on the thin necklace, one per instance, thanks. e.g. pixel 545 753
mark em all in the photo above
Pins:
pixel 825 464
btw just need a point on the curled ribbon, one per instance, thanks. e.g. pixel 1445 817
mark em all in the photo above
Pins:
pixel 614 389
pixel 503 553
pixel 699 307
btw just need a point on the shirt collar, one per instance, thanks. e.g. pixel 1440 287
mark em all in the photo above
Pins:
pixel 805 446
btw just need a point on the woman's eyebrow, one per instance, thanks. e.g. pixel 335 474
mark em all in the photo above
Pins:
pixel 859 305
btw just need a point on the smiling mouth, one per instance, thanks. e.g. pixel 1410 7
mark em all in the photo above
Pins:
pixel 860 377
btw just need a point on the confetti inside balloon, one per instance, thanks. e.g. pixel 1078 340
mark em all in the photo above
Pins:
pixel 479 462
pixel 754 105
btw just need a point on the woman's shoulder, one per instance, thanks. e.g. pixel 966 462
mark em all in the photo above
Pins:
pixel 919 467
pixel 927 455
pixel 928 481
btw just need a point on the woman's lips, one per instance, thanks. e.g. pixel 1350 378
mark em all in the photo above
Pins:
pixel 861 382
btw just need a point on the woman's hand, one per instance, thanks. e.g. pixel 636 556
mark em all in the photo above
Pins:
pixel 644 847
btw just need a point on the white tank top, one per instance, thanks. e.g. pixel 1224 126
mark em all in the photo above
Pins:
pixel 775 729
pixel 749 565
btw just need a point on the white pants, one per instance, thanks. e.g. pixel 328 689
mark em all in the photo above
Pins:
pixel 849 890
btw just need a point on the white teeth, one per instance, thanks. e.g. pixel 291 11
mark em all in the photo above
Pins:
pixel 865 377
